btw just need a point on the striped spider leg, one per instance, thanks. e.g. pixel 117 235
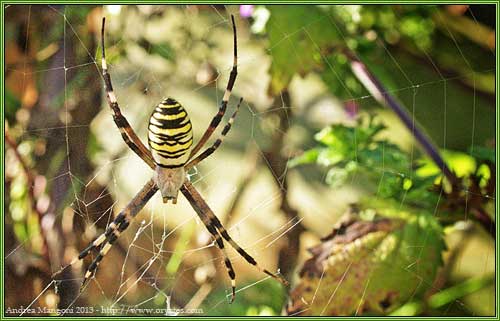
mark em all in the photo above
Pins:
pixel 103 243
pixel 171 156
pixel 128 134
pixel 229 88
pixel 210 219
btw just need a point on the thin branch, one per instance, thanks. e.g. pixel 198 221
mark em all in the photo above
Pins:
pixel 484 219
pixel 278 166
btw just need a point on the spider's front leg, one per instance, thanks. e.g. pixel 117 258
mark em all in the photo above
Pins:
pixel 223 104
pixel 126 131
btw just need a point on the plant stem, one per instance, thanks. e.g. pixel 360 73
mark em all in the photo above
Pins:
pixel 277 165
pixel 458 291
pixel 377 90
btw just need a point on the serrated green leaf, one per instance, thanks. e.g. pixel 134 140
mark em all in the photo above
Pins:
pixel 377 271
pixel 296 48
pixel 385 155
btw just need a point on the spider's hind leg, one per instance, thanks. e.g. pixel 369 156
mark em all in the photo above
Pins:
pixel 105 241
pixel 218 225
pixel 215 227
pixel 103 244
pixel 227 261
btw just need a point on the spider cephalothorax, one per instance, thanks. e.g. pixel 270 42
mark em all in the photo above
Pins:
pixel 169 181
pixel 170 138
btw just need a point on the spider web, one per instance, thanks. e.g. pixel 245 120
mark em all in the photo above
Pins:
pixel 165 263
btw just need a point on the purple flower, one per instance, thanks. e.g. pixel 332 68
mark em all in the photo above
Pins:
pixel 246 10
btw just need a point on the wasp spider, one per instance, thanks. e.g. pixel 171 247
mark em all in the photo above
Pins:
pixel 171 156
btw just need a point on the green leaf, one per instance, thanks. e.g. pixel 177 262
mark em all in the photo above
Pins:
pixel 295 47
pixel 93 146
pixel 330 156
pixel 356 149
pixel 163 49
pixel 180 248
pixel 372 267
pixel 308 157
pixel 337 136
pixel 385 155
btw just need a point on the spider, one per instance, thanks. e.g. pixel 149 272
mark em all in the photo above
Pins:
pixel 170 139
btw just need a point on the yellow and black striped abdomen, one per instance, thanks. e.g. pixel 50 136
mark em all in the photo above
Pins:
pixel 170 134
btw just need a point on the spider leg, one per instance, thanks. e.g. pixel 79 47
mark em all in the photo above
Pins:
pixel 223 105
pixel 220 245
pixel 103 243
pixel 207 152
pixel 128 134
pixel 213 224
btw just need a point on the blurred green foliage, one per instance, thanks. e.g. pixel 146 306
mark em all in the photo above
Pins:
pixel 348 151
pixel 315 45
pixel 405 46
pixel 23 218
pixel 12 105
pixel 400 187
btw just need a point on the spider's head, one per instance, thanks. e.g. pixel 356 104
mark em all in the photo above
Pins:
pixel 169 181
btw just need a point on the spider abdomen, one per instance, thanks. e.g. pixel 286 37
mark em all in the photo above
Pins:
pixel 170 134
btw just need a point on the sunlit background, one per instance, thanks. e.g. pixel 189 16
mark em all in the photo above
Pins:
pixel 316 179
